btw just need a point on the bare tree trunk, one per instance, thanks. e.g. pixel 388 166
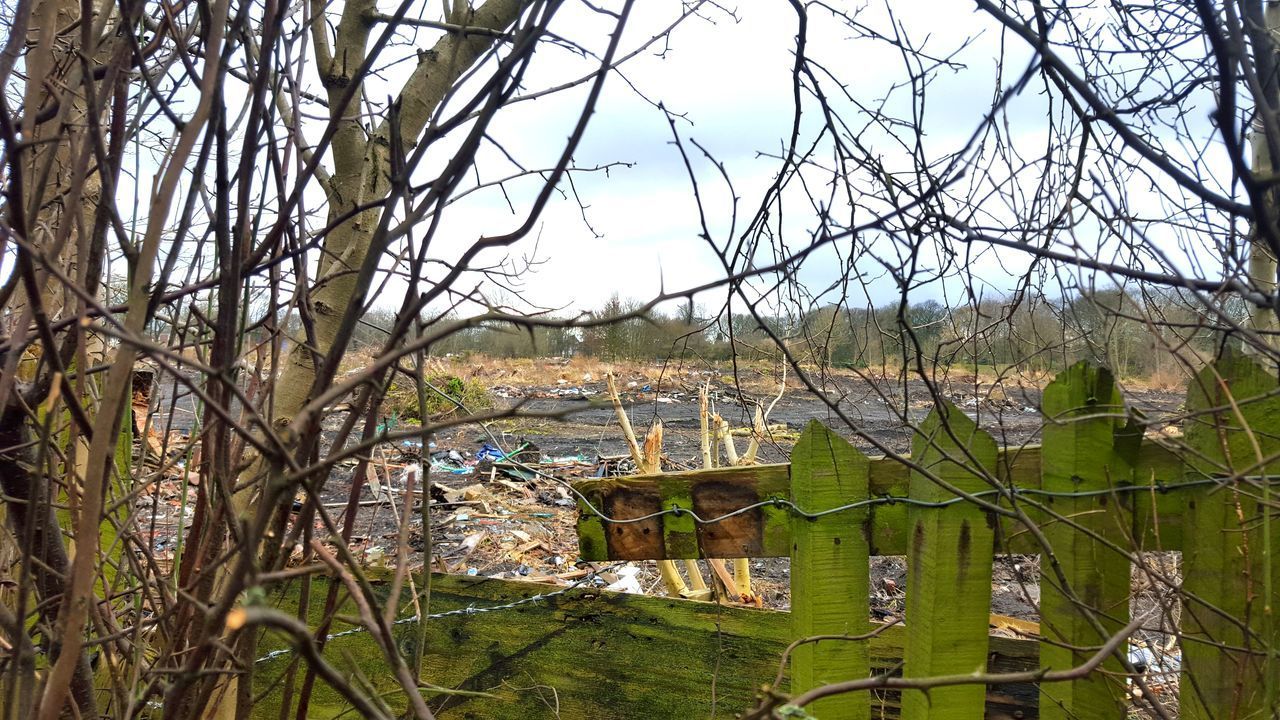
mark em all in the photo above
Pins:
pixel 361 177
pixel 53 201
pixel 362 167
pixel 1262 260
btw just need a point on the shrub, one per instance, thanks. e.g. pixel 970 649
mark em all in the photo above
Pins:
pixel 444 394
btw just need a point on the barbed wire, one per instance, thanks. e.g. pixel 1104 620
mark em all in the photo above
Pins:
pixel 775 502
pixel 470 610
pixel 677 511
pixel 784 503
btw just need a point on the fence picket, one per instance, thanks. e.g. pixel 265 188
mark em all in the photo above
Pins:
pixel 948 566
pixel 829 569
pixel 1086 447
pixel 1228 580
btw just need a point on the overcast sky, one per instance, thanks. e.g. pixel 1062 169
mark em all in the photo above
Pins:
pixel 728 78
pixel 731 81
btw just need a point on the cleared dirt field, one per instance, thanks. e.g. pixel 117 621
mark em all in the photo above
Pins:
pixel 874 414
pixel 486 523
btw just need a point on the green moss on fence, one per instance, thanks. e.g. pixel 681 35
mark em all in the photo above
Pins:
pixel 588 654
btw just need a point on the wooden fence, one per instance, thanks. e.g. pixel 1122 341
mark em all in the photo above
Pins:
pixel 1089 499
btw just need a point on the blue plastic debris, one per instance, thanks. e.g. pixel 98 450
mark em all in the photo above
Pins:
pixel 489 452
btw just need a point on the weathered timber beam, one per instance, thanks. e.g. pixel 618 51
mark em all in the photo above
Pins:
pixel 592 654
pixel 764 531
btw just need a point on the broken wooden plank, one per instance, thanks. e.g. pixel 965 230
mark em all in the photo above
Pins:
pixel 717 492
pixel 948 564
pixel 764 532
pixel 829 570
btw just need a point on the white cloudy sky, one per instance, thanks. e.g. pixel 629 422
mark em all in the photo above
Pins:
pixel 731 79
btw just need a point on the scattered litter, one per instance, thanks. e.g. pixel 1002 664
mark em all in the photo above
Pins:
pixel 562 391
pixel 441 467
pixel 451 462
pixel 472 541
pixel 627 581
pixel 1147 659
pixel 564 467
pixel 995 399
pixel 507 391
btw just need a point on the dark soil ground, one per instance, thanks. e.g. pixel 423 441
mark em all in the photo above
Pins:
pixel 873 415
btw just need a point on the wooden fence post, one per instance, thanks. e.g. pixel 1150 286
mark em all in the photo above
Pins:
pixel 829 570
pixel 1230 576
pixel 1084 450
pixel 948 566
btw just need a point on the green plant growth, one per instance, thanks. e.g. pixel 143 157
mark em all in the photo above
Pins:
pixel 446 394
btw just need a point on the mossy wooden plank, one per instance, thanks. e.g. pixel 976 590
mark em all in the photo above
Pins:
pixel 1157 503
pixel 829 569
pixel 1230 578
pixel 1018 468
pixel 888 522
pixel 585 654
pixel 592 654
pixel 948 565
pixel 1084 584
pixel 592 533
pixel 679 531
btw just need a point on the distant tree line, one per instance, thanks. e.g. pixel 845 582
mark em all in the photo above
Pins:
pixel 1137 332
